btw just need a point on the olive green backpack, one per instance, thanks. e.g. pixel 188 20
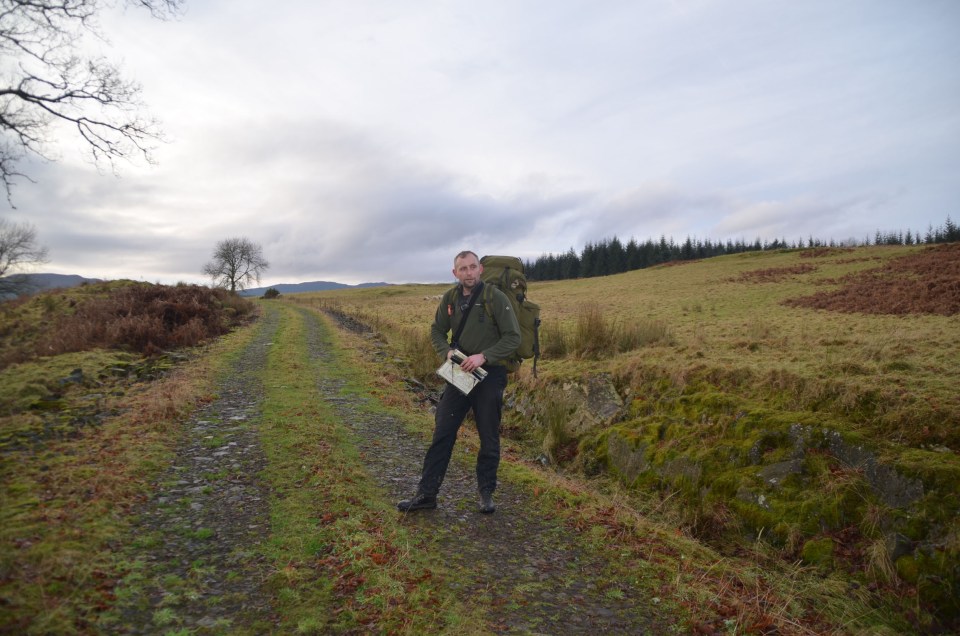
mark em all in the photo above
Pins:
pixel 506 274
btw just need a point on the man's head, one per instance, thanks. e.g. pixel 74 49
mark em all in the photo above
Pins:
pixel 467 269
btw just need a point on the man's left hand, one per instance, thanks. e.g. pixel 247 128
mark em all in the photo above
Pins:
pixel 475 361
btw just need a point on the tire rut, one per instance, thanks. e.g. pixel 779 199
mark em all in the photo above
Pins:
pixel 527 570
pixel 197 539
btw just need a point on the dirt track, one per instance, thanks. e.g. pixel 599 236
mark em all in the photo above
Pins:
pixel 198 537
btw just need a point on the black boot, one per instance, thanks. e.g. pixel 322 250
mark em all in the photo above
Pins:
pixel 486 503
pixel 419 502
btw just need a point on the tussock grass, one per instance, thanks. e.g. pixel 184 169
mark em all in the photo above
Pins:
pixel 559 444
pixel 554 342
pixel 597 335
pixel 417 350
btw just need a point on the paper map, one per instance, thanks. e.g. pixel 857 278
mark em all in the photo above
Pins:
pixel 452 373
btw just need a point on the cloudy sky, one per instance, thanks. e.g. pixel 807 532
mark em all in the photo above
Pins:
pixel 372 140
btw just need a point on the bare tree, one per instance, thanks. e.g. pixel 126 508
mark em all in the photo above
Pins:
pixel 18 249
pixel 45 78
pixel 236 263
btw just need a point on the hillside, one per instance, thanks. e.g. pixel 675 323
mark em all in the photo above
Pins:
pixel 33 283
pixel 804 398
pixel 752 444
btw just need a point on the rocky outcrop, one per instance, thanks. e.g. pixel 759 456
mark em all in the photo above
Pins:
pixel 894 489
pixel 588 404
pixel 594 402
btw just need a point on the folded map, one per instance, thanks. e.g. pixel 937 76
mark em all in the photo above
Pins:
pixel 452 373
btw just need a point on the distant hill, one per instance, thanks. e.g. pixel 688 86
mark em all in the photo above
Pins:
pixel 33 283
pixel 296 288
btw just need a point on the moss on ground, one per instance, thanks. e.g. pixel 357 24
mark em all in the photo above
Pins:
pixel 806 482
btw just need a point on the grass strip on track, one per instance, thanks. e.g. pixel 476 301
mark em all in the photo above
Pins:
pixel 343 562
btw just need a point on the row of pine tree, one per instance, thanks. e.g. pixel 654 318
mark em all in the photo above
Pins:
pixel 612 256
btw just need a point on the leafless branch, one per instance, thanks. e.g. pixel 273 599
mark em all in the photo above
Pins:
pixel 44 79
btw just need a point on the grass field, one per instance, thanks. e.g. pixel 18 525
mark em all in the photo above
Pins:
pixel 751 413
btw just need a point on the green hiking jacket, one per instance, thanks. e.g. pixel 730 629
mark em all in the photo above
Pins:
pixel 496 337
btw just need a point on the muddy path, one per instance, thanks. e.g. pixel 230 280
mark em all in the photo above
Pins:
pixel 526 570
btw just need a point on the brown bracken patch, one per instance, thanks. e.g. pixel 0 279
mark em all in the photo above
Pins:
pixel 774 274
pixel 138 317
pixel 926 282
pixel 863 259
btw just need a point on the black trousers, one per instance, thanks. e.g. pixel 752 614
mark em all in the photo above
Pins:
pixel 486 400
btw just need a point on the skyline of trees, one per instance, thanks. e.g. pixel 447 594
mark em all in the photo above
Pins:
pixel 612 256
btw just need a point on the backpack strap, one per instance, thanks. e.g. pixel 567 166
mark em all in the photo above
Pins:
pixel 448 299
pixel 488 302
pixel 488 306
pixel 455 341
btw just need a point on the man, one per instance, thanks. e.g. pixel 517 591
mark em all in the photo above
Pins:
pixel 487 341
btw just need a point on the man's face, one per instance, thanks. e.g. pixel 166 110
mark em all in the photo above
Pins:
pixel 467 270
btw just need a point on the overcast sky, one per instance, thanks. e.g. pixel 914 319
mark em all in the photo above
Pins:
pixel 372 140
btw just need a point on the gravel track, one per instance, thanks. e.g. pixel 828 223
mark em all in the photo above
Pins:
pixel 198 537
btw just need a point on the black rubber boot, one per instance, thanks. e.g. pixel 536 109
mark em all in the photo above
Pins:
pixel 419 502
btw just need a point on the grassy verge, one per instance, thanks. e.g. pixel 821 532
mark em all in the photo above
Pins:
pixel 343 563
pixel 751 591
pixel 65 501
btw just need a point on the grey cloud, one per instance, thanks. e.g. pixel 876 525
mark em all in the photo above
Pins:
pixel 649 211
pixel 511 129
pixel 379 211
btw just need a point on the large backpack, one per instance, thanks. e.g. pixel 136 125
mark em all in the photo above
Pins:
pixel 506 273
